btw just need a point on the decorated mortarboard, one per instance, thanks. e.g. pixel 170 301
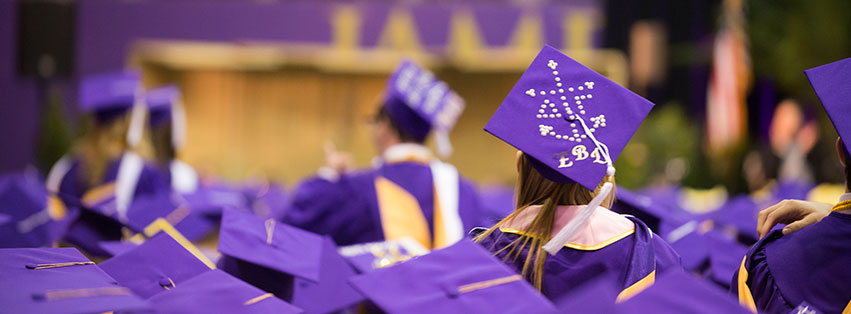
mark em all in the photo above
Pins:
pixel 680 292
pixel 218 292
pixel 462 278
pixel 35 217
pixel 293 264
pixel 59 280
pixel 559 110
pixel 418 102
pixel 366 257
pixel 158 264
pixel 571 123
pixel 164 106
pixel 831 83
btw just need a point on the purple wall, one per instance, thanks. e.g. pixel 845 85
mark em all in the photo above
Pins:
pixel 106 29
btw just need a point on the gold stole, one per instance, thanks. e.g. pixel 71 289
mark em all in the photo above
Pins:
pixel 401 215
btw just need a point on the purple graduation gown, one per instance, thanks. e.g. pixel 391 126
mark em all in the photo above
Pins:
pixel 810 265
pixel 348 209
pixel 629 260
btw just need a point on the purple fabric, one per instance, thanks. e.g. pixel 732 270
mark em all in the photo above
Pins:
pixel 808 265
pixel 830 81
pixel 597 295
pixel 628 260
pixel 107 29
pixel 740 213
pixel 212 198
pixel 497 22
pixel 117 247
pixel 157 265
pixel 347 209
pixel 520 122
pixel 25 288
pixel 292 251
pixel 217 292
pixel 334 272
pixel 433 23
pixel 265 199
pixel 679 292
pixel 109 91
pixel 23 203
pixel 694 250
pixel 431 284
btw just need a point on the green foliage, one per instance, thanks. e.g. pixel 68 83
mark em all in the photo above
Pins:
pixel 666 135
pixel 789 36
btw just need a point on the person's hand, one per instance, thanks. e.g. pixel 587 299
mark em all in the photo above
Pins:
pixel 796 214
pixel 341 162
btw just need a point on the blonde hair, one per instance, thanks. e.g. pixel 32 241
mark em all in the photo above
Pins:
pixel 534 189
pixel 101 143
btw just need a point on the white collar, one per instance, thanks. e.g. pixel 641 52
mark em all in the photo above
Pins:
pixel 845 197
pixel 407 152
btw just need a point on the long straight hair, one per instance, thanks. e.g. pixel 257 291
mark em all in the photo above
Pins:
pixel 534 189
pixel 101 143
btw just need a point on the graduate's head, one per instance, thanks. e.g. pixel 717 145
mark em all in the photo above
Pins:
pixel 167 122
pixel 830 82
pixel 109 104
pixel 570 123
pixel 416 104
pixel 386 131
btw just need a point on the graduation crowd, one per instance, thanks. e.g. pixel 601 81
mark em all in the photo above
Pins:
pixel 110 231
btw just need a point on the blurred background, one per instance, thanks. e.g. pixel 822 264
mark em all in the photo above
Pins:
pixel 266 83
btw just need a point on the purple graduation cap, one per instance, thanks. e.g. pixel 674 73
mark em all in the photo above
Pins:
pixel 159 264
pixel 462 278
pixel 418 102
pixel 217 292
pixel 59 280
pixel 557 109
pixel 34 217
pixel 291 263
pixel 831 83
pixel 680 292
pixel 109 91
pixel 571 122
